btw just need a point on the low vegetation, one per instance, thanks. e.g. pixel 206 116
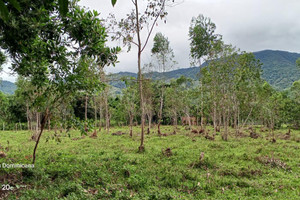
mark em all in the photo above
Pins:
pixel 184 165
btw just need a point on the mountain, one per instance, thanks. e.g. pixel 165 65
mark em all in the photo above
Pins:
pixel 7 87
pixel 279 69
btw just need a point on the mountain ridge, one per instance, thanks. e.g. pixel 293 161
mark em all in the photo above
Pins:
pixel 7 87
pixel 279 69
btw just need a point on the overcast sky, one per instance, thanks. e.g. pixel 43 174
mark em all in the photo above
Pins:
pixel 251 25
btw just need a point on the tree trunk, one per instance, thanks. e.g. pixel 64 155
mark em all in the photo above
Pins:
pixel 215 118
pixel 28 118
pixel 49 124
pixel 225 124
pixel 160 111
pixel 149 123
pixel 235 124
pixel 175 119
pixel 85 113
pixel 189 120
pixel 100 117
pixel 37 123
pixel 141 147
pixel 44 120
pixel 130 123
pixel 106 113
pixel 95 112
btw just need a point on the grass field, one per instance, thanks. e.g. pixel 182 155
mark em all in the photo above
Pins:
pixel 110 167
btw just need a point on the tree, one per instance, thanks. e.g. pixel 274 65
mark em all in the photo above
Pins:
pixel 205 44
pixel 163 56
pixel 63 7
pixel 3 109
pixel 53 51
pixel 203 39
pixel 231 80
pixel 129 30
pixel 298 62
pixel 130 100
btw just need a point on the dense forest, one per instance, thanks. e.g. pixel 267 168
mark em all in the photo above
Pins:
pixel 193 130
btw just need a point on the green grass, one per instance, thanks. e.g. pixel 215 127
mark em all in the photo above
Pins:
pixel 110 167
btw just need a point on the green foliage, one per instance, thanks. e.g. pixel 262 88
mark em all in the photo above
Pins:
pixel 298 62
pixel 2 60
pixel 113 2
pixel 279 68
pixel 4 13
pixel 162 54
pixel 203 39
pixel 63 6
pixel 59 55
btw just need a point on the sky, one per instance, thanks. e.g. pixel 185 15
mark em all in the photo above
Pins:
pixel 251 25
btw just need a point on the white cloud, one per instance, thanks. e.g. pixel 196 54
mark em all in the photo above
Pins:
pixel 251 25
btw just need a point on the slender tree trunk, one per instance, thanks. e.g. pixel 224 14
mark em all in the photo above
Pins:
pixel 149 122
pixel 27 115
pixel 49 124
pixel 37 123
pixel 174 119
pixel 235 116
pixel 43 123
pixel 220 120
pixel 141 147
pixel 189 120
pixel 130 123
pixel 106 113
pixel 30 121
pixel 247 117
pixel 201 120
pixel 85 113
pixel 160 111
pixel 95 112
pixel 100 117
pixel 215 117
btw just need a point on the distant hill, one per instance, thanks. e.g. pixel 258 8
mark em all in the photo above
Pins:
pixel 7 87
pixel 279 69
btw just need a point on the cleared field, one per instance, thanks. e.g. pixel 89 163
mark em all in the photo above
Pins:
pixel 110 167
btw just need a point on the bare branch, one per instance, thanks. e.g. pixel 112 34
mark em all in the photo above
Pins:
pixel 154 22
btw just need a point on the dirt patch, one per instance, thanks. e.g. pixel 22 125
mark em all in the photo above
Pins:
pixel 167 152
pixel 273 162
pixel 118 133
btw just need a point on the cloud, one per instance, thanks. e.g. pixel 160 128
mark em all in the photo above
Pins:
pixel 251 25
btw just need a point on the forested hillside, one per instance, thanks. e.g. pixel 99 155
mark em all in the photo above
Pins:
pixel 7 87
pixel 279 69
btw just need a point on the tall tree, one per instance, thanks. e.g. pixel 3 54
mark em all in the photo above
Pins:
pixel 130 100
pixel 163 60
pixel 203 39
pixel 204 44
pixel 129 30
